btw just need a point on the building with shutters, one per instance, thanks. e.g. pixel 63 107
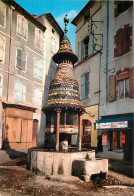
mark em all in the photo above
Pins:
pixel 23 58
pixel 88 49
pixel 105 72
pixel 116 111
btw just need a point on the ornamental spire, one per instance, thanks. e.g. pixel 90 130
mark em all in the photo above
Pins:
pixel 66 21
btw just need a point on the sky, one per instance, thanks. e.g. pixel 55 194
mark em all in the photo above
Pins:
pixel 58 8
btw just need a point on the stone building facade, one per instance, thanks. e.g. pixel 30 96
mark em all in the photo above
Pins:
pixel 22 75
pixel 112 75
pixel 116 124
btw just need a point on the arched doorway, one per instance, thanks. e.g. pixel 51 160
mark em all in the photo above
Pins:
pixel 86 138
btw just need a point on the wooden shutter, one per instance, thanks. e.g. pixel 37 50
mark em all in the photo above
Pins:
pixel 2 14
pixel 131 83
pixel 23 56
pixel 41 40
pixel 112 88
pixel 91 45
pixel 118 42
pixel 29 130
pixel 79 51
pixel 2 45
pixel 83 87
pixel 25 28
pixel 20 22
pixel 125 39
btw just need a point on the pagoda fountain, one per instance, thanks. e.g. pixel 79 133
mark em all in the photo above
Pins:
pixel 63 108
pixel 63 111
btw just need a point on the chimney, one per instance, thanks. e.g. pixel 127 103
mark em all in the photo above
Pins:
pixel 35 15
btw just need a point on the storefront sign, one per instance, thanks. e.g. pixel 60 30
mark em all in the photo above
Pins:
pixel 121 124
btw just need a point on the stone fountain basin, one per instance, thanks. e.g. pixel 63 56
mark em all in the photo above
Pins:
pixel 55 163
pixel 87 167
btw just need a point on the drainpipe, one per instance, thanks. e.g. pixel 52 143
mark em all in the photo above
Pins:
pixel 99 85
pixel 9 63
pixel 107 52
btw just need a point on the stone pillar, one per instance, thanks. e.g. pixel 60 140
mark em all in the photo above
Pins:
pixel 57 130
pixel 80 131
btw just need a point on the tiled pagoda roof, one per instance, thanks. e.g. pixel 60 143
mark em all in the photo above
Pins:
pixel 65 51
pixel 64 89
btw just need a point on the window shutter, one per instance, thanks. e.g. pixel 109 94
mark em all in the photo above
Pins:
pixel 41 39
pixel 20 22
pixel 25 28
pixel 2 14
pixel 112 88
pixel 35 37
pixel 91 44
pixel 40 69
pixel 125 40
pixel 23 60
pixel 40 98
pixel 131 83
pixel 2 44
pixel 118 41
pixel 79 51
pixel 83 87
pixel 87 85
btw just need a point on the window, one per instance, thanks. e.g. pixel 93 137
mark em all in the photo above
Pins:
pixel 38 38
pixel 19 92
pixel 53 31
pixel 117 138
pixel 21 59
pixel 1 85
pixel 85 86
pixel 123 88
pixel 37 97
pixel 122 6
pixel 2 48
pixel 22 27
pixel 123 40
pixel 86 48
pixel 2 14
pixel 38 68
pixel 53 45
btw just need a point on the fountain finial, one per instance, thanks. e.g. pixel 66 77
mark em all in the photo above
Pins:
pixel 66 21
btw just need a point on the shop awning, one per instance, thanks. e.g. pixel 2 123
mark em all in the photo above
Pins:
pixel 114 123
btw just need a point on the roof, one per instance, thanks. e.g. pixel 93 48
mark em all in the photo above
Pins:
pixel 25 13
pixel 82 12
pixel 64 89
pixel 53 22
pixel 65 51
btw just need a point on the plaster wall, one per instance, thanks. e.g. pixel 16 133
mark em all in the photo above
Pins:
pixel 121 62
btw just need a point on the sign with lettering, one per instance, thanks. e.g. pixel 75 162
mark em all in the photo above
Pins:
pixel 112 125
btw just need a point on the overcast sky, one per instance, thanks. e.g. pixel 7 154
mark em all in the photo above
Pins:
pixel 58 8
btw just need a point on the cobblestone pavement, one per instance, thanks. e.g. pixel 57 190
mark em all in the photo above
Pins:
pixel 15 180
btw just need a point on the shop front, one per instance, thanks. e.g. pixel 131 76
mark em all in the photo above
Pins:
pixel 115 137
